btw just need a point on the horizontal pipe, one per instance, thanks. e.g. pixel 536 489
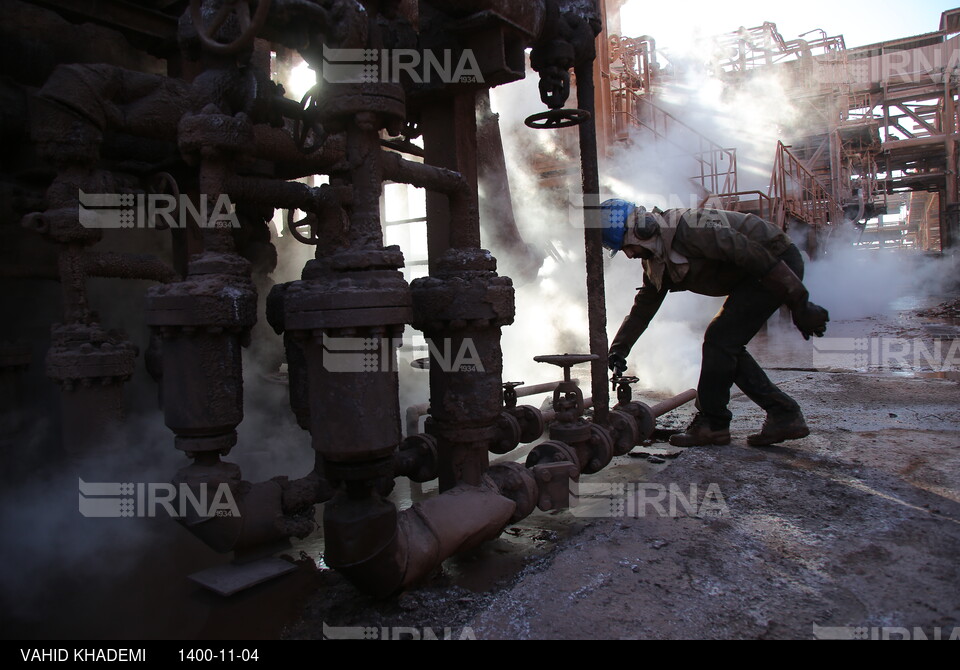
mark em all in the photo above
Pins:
pixel 109 265
pixel 128 266
pixel 414 412
pixel 549 387
pixel 277 146
pixel 268 512
pixel 284 194
pixel 673 403
pixel 441 180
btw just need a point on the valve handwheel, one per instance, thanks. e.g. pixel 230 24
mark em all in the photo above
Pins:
pixel 308 123
pixel 310 221
pixel 566 360
pixel 558 118
pixel 207 32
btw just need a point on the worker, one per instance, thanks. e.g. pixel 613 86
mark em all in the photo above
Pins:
pixel 717 253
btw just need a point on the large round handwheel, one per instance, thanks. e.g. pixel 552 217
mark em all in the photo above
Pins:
pixel 558 118
pixel 207 32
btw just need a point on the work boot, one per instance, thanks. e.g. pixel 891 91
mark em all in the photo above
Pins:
pixel 778 428
pixel 700 434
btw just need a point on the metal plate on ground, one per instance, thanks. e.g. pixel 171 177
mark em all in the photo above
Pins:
pixel 656 452
pixel 235 577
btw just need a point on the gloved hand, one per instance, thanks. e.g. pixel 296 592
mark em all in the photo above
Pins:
pixel 810 319
pixel 617 363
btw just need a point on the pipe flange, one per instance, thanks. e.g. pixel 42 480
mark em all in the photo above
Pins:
pixel 571 433
pixel 531 421
pixel 390 258
pixel 217 293
pixel 417 458
pixel 341 102
pixel 646 421
pixel 552 452
pixel 508 434
pixel 464 262
pixel 355 300
pixel 625 430
pixel 457 303
pixel 517 483
pixel 601 450
pixel 87 355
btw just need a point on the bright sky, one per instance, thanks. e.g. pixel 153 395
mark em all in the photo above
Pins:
pixel 859 22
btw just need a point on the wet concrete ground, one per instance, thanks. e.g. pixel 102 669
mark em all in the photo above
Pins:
pixel 855 528
pixel 853 531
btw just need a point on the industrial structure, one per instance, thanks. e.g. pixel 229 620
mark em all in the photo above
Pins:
pixel 160 125
pixel 879 132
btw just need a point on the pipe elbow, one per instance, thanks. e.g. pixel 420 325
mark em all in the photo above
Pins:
pixel 255 517
pixel 382 551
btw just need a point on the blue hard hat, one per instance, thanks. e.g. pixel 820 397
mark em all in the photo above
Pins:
pixel 616 216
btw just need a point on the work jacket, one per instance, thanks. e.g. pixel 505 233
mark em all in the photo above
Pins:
pixel 706 251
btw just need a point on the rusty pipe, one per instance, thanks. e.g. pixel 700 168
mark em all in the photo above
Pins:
pixel 277 146
pixel 593 240
pixel 285 194
pixel 414 412
pixel 656 411
pixel 128 266
pixel 646 417
pixel 497 204
pixel 673 403
pixel 267 512
pixel 440 180
pixel 549 387
pixel 254 525
pixel 382 551
pixel 102 96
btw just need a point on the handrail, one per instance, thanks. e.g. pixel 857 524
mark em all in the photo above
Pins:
pixel 797 193
pixel 716 165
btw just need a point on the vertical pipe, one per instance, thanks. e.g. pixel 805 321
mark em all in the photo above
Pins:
pixel 948 225
pixel 593 235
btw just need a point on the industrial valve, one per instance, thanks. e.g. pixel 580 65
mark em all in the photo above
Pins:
pixel 591 444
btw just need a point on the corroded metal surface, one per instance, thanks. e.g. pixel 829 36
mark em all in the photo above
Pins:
pixel 216 126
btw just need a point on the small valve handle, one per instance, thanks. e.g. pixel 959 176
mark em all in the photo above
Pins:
pixel 624 392
pixel 510 394
pixel 567 397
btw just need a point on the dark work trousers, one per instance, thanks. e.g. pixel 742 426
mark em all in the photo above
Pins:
pixel 725 358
